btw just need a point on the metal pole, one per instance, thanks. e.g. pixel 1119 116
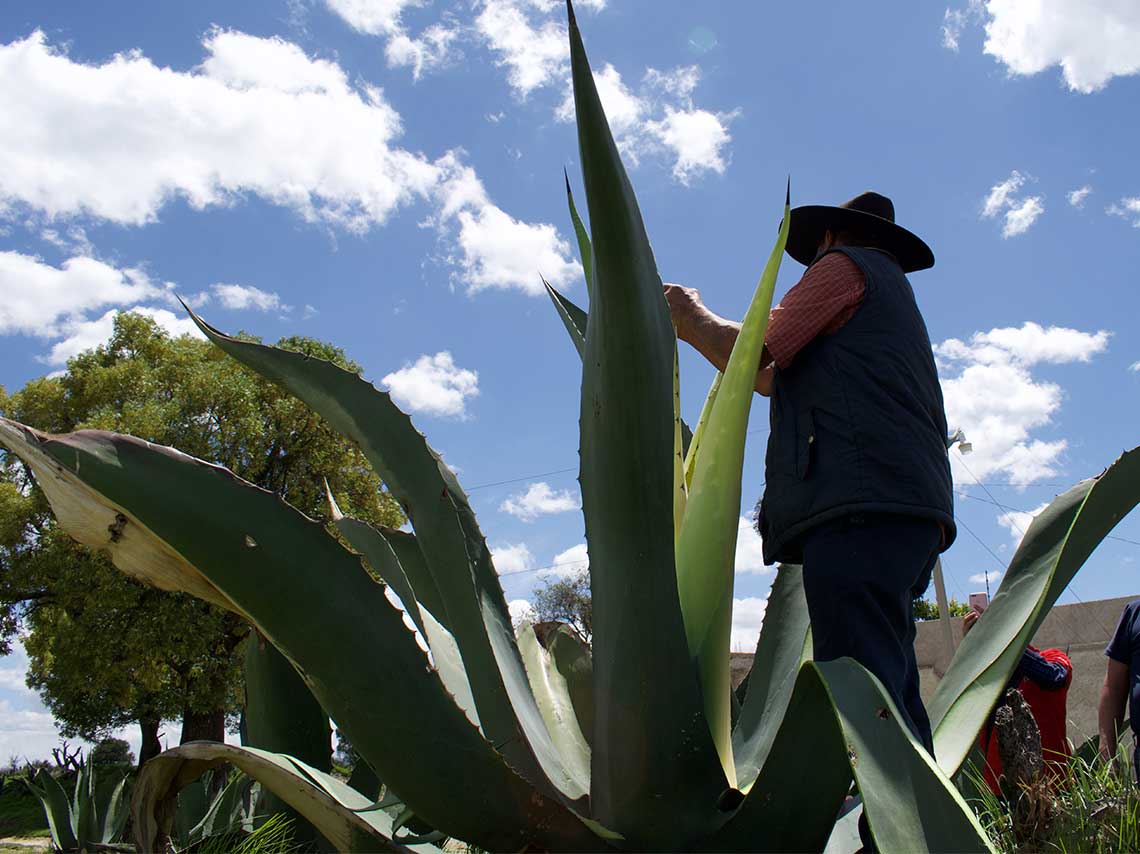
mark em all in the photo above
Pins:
pixel 943 611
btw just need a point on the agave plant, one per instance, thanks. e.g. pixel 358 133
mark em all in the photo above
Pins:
pixel 508 743
pixel 93 817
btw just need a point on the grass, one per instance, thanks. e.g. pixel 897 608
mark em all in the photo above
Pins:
pixel 1099 811
pixel 20 812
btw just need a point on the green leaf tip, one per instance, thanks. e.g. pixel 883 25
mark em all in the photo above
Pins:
pixel 570 15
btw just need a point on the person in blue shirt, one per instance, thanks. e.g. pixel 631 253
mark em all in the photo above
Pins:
pixel 1122 684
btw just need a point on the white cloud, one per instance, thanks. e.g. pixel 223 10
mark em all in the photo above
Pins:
pixel 697 139
pixel 258 117
pixel 954 23
pixel 1017 522
pixel 749 549
pixel 534 54
pixel 1093 41
pixel 541 500
pixel 661 118
pixel 982 577
pixel 1127 208
pixel 747 620
pixel 434 385
pixel 992 394
pixel 1022 215
pixel 240 297
pixel 1000 195
pixel 120 140
pixel 521 611
pixel 1135 367
pixel 83 335
pixel 512 559
pixel 39 299
pixel 1077 197
pixel 13 679
pixel 574 561
pixel 499 251
pixel 384 18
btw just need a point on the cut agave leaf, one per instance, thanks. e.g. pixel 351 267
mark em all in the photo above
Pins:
pixel 1057 544
pixel 553 695
pixel 585 248
pixel 336 816
pixel 259 555
pixel 706 544
pixel 655 774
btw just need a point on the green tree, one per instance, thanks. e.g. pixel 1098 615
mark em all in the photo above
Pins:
pixel 111 751
pixel 925 609
pixel 566 600
pixel 106 651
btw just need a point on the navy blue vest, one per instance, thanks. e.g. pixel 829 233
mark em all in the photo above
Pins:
pixel 857 421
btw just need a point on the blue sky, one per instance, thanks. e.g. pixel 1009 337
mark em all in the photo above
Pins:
pixel 387 175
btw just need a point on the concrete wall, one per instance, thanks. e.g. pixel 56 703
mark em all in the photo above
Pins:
pixel 1082 630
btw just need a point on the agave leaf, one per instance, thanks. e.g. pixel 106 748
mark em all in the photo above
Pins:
pixel 454 549
pixel 553 695
pixel 573 318
pixel 377 549
pixel 281 713
pixel 260 555
pixel 57 809
pixel 334 816
pixel 84 817
pixel 694 446
pixel 706 544
pixel 680 487
pixel 1056 545
pixel 281 716
pixel 840 724
pixel 585 248
pixel 793 802
pixel 784 644
pixel 116 808
pixel 415 568
pixel 655 775
pixel 572 658
pixel 910 804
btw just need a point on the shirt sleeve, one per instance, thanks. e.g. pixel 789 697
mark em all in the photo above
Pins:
pixel 1047 673
pixel 1120 647
pixel 820 303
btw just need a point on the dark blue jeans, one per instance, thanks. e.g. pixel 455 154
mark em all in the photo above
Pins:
pixel 862 574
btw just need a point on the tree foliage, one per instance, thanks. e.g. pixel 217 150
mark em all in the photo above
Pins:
pixel 111 751
pixel 566 600
pixel 105 650
pixel 925 609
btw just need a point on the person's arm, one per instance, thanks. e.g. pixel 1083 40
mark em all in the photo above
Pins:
pixel 710 334
pixel 819 303
pixel 1045 674
pixel 1110 710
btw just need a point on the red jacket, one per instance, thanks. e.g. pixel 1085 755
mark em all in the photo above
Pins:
pixel 1049 712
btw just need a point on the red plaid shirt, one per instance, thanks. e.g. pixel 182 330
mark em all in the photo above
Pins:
pixel 822 301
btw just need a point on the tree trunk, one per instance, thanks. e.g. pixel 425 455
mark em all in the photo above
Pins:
pixel 203 726
pixel 150 746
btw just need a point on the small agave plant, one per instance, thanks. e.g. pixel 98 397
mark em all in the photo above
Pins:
pixel 510 744
pixel 93 818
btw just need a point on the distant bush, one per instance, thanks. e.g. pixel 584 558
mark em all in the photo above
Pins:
pixel 112 751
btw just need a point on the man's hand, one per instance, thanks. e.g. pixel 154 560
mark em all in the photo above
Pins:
pixel 968 621
pixel 685 307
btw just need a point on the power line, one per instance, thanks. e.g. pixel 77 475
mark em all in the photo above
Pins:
pixel 520 479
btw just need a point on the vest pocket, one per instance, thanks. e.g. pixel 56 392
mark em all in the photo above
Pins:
pixel 805 442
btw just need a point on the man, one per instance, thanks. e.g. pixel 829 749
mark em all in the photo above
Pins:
pixel 1043 678
pixel 858 484
pixel 1121 685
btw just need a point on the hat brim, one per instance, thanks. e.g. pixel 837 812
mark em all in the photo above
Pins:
pixel 809 222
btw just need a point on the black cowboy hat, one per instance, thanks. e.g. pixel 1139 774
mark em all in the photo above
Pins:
pixel 870 217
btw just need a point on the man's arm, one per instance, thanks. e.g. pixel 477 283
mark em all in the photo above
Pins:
pixel 710 334
pixel 1110 711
